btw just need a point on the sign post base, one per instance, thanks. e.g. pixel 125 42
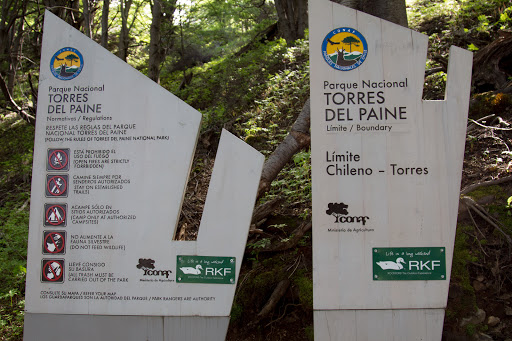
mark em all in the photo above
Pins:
pixel 43 327
pixel 376 325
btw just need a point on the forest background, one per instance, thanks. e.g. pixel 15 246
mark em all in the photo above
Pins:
pixel 244 65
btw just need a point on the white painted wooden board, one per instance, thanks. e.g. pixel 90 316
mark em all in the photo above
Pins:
pixel 388 325
pixel 56 327
pixel 384 208
pixel 123 146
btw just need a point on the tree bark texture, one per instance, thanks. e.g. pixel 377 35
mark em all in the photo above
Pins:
pixel 492 65
pixel 391 10
pixel 87 18
pixel 156 52
pixel 104 23
pixel 297 139
pixel 292 18
pixel 123 36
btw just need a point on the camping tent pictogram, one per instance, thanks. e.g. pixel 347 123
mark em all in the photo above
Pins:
pixel 55 214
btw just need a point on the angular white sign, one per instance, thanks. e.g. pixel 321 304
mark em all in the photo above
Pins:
pixel 386 170
pixel 111 161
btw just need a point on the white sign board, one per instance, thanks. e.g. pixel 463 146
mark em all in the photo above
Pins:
pixel 386 170
pixel 111 161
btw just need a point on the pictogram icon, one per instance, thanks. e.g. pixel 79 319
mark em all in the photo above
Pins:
pixel 56 186
pixel 52 270
pixel 54 242
pixel 55 214
pixel 58 160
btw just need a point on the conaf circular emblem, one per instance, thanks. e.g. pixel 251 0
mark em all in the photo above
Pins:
pixel 344 49
pixel 67 63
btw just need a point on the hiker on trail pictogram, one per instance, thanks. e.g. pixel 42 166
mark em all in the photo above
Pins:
pixel 56 185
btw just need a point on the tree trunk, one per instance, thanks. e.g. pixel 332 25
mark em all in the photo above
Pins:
pixel 156 54
pixel 292 18
pixel 391 10
pixel 87 18
pixel 299 138
pixel 104 23
pixel 492 65
pixel 123 36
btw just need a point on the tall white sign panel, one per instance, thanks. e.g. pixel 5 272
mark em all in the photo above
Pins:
pixel 111 161
pixel 386 169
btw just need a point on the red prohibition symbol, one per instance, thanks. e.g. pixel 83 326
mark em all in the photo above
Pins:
pixel 55 215
pixel 58 159
pixel 54 242
pixel 53 271
pixel 57 185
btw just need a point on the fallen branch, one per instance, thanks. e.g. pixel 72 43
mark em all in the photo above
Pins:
pixel 296 236
pixel 264 210
pixel 276 296
pixel 471 188
pixel 297 139
pixel 24 115
pixel 435 70
pixel 470 203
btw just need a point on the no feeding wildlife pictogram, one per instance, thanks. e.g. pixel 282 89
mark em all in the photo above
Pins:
pixel 54 242
pixel 55 214
pixel 58 160
pixel 56 186
pixel 52 270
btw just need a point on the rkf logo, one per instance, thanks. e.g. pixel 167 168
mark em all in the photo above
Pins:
pixel 148 266
pixel 339 211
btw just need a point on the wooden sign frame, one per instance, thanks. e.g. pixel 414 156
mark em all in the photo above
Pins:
pixel 112 155
pixel 386 172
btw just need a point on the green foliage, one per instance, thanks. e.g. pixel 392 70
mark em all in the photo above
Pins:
pixel 304 284
pixel 310 332
pixel 236 312
pixel 486 191
pixel 464 302
pixel 466 23
pixel 16 141
pixel 217 27
pixel 294 181
pixel 245 88
pixel 13 254
pixel 16 147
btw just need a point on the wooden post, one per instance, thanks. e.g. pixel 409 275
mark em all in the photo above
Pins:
pixel 112 154
pixel 386 171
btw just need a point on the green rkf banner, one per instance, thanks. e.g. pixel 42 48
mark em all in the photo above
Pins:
pixel 204 269
pixel 409 263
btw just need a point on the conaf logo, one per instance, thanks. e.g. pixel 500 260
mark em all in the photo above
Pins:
pixel 340 212
pixel 344 49
pixel 148 266
pixel 67 63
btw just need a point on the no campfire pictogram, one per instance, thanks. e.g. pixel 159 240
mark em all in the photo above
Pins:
pixel 55 214
pixel 54 242
pixel 52 270
pixel 56 185
pixel 58 160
